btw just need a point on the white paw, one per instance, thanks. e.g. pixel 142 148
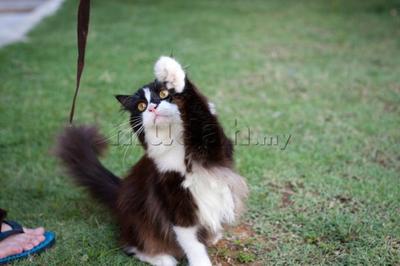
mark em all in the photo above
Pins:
pixel 168 70
pixel 157 260
pixel 165 260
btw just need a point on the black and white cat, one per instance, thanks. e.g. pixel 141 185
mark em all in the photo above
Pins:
pixel 178 197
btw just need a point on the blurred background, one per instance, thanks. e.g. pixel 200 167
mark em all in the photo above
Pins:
pixel 320 79
pixel 18 17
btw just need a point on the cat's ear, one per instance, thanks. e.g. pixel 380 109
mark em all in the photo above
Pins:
pixel 125 100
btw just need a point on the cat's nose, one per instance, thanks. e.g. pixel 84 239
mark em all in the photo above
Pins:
pixel 152 107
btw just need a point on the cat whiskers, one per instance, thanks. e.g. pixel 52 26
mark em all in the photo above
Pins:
pixel 136 133
pixel 121 130
pixel 117 132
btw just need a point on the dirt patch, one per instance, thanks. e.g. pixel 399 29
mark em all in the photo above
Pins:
pixel 240 246
pixel 287 191
pixel 382 158
pixel 345 202
pixel 393 243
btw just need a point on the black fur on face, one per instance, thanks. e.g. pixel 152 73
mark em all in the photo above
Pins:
pixel 130 103
pixel 143 97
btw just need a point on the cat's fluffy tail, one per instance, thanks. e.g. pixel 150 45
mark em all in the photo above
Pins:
pixel 78 147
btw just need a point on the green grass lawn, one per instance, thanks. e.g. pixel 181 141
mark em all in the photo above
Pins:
pixel 325 72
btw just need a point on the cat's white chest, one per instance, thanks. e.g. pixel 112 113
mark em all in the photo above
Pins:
pixel 212 188
pixel 165 148
pixel 213 197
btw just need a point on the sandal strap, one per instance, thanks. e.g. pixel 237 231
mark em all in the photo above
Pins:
pixel 16 228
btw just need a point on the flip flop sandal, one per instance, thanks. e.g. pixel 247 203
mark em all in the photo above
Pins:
pixel 17 229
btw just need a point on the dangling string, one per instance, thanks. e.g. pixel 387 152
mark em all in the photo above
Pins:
pixel 82 33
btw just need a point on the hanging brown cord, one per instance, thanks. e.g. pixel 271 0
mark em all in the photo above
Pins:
pixel 82 33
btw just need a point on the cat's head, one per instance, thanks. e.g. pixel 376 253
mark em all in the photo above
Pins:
pixel 153 105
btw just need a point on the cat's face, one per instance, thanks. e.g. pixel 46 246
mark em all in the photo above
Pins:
pixel 151 106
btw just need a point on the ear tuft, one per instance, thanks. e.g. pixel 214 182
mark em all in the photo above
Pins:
pixel 212 108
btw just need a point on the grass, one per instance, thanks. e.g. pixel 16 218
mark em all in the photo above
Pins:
pixel 325 72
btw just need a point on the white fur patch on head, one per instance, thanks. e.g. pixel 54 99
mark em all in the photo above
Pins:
pixel 147 94
pixel 167 113
pixel 168 70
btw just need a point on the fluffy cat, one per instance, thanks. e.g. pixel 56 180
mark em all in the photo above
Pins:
pixel 178 197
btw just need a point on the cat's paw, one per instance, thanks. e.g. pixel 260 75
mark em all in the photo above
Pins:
pixel 168 70
pixel 165 260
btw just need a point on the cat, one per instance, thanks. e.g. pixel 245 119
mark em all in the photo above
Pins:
pixel 177 199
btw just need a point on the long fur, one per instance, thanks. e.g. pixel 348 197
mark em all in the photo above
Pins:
pixel 178 197
pixel 78 148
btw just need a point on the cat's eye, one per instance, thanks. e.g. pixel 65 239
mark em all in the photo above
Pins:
pixel 164 93
pixel 141 106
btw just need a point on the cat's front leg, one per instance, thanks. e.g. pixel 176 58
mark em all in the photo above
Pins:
pixel 195 251
pixel 204 138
